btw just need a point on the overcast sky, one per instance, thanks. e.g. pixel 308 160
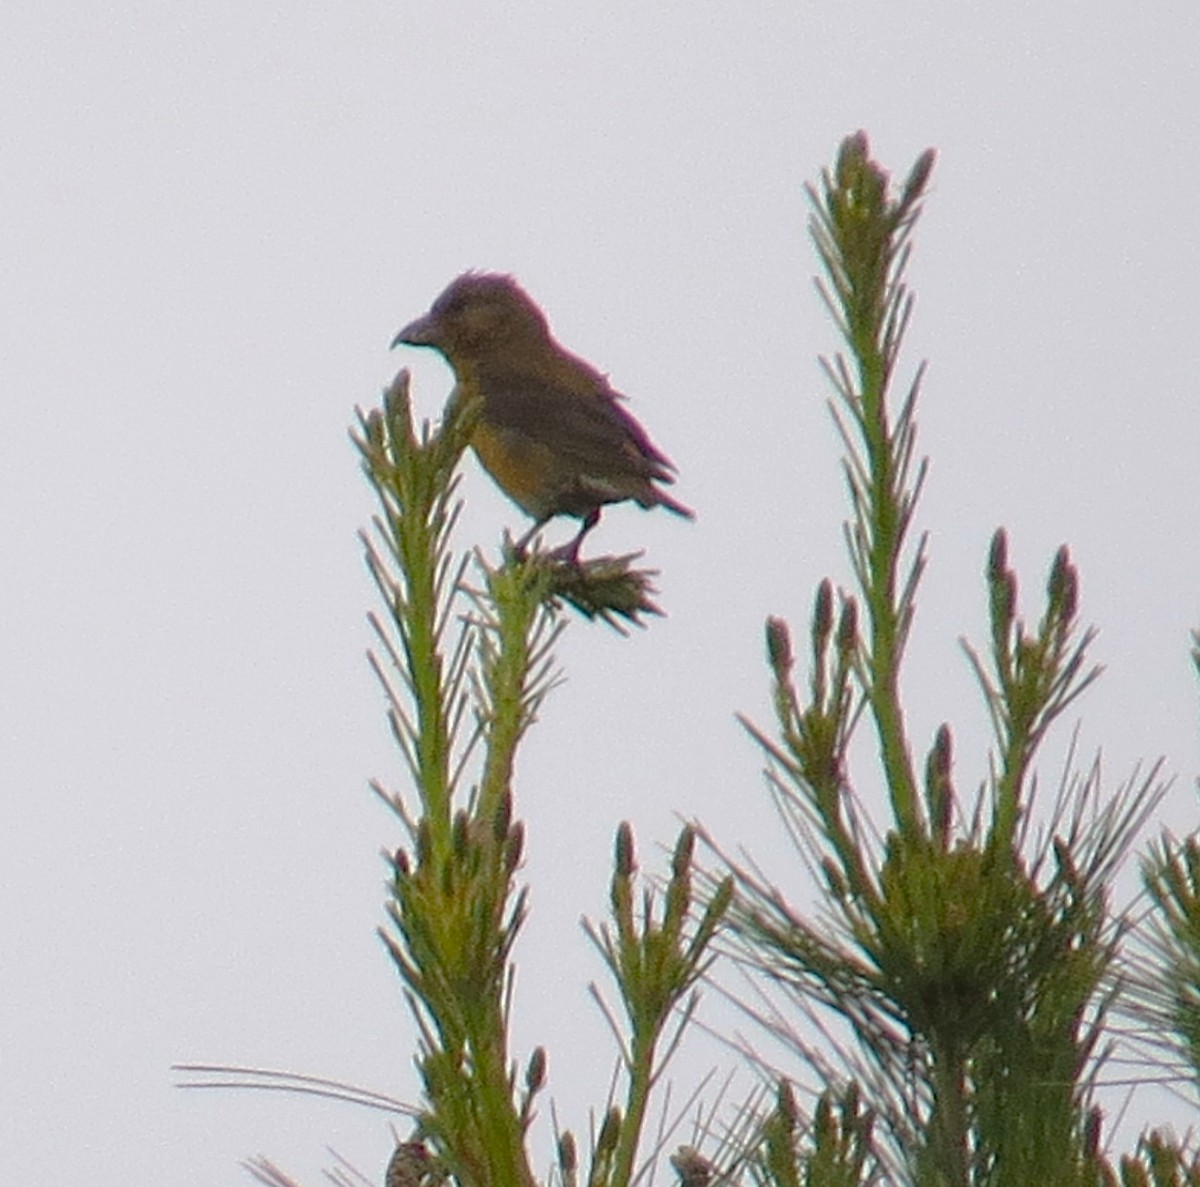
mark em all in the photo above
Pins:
pixel 213 217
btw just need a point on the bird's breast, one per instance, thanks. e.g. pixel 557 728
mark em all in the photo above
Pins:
pixel 524 469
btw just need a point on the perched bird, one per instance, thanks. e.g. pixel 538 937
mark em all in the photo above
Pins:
pixel 551 431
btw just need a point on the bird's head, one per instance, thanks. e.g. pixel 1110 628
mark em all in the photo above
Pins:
pixel 478 312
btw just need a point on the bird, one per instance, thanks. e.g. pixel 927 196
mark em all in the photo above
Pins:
pixel 551 431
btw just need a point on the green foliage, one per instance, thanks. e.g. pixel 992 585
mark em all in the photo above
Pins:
pixel 835 1150
pixel 1159 1161
pixel 965 965
pixel 455 910
pixel 973 967
pixel 655 964
pixel 1166 997
pixel 466 670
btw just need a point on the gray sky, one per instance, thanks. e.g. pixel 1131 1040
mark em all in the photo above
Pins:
pixel 212 220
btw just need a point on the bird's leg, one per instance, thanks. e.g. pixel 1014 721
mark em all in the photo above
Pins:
pixel 569 552
pixel 521 547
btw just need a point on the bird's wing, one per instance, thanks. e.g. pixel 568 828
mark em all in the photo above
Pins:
pixel 587 430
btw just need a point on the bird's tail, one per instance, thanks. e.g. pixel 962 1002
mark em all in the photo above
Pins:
pixel 665 500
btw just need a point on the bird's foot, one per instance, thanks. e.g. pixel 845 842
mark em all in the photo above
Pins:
pixel 565 554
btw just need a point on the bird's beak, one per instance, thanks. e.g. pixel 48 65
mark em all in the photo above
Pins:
pixel 422 332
